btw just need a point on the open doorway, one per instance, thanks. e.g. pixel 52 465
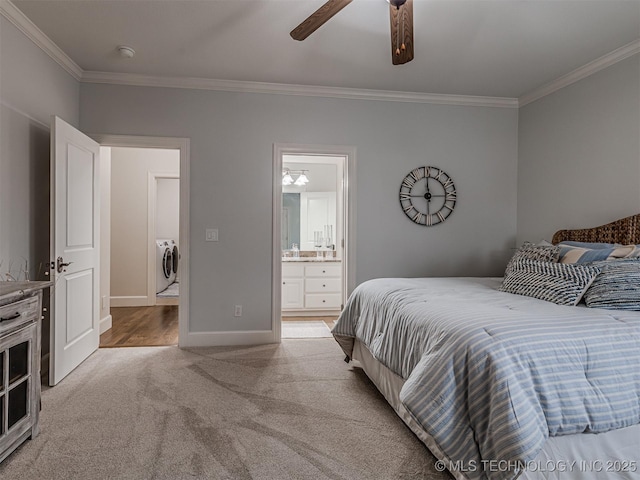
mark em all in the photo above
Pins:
pixel 313 244
pixel 141 226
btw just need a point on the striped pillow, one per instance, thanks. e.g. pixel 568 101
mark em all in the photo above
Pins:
pixel 559 283
pixel 531 251
pixel 582 254
pixel 617 287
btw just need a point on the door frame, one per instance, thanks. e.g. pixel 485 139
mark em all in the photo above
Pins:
pixel 183 145
pixel 349 230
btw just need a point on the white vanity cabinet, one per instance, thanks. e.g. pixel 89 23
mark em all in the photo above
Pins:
pixel 311 287
pixel 292 287
pixel 323 286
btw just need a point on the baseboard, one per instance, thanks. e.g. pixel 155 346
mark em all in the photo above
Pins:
pixel 105 324
pixel 132 301
pixel 216 339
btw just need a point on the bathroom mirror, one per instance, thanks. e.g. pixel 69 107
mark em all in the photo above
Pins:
pixel 309 208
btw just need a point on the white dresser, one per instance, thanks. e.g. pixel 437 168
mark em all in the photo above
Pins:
pixel 311 287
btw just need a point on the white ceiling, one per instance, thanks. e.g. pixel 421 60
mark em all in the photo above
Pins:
pixel 501 48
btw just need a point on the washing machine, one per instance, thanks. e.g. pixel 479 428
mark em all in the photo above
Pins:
pixel 165 274
pixel 175 258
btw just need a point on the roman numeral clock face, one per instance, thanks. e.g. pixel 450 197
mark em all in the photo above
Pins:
pixel 427 196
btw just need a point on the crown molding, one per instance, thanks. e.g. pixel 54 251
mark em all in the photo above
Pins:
pixel 302 90
pixel 580 73
pixel 26 26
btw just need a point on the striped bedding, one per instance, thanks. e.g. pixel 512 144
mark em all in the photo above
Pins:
pixel 491 375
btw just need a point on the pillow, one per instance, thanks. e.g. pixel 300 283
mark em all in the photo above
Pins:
pixel 559 283
pixel 543 253
pixel 574 254
pixel 617 287
pixel 544 243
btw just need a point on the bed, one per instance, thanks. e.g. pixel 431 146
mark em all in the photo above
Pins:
pixel 505 386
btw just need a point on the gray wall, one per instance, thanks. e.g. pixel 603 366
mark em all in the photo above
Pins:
pixel 579 154
pixel 32 88
pixel 232 136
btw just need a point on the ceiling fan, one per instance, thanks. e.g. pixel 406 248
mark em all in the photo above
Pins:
pixel 400 17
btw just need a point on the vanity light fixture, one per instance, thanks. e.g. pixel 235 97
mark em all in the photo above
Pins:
pixel 287 178
pixel 302 179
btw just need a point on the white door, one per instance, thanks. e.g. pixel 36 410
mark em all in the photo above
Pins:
pixel 75 209
pixel 317 210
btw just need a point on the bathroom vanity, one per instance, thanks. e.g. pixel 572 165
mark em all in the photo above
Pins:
pixel 311 286
pixel 20 323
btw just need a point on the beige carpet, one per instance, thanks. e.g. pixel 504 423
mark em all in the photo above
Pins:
pixel 289 411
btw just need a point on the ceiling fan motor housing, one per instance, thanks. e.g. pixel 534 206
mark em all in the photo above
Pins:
pixel 397 3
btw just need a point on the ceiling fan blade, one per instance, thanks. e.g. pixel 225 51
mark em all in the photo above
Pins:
pixel 401 33
pixel 318 18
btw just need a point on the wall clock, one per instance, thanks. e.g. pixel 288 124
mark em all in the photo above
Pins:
pixel 427 196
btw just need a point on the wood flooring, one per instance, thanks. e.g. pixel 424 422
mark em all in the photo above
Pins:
pixel 142 327
pixel 158 326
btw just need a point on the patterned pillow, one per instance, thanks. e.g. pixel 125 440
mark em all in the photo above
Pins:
pixel 617 287
pixel 579 254
pixel 531 251
pixel 559 283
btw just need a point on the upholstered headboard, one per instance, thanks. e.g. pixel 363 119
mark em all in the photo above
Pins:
pixel 625 231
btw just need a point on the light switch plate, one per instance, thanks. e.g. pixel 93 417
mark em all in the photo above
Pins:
pixel 211 235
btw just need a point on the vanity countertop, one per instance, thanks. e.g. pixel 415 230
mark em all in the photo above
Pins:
pixel 309 260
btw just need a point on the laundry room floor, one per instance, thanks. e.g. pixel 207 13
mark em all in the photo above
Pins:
pixel 142 327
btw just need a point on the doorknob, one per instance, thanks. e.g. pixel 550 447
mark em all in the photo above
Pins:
pixel 60 265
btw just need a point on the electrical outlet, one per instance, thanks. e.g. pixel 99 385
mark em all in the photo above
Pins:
pixel 237 311
pixel 211 235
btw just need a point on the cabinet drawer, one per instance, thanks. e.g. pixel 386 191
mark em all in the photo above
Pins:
pixel 292 271
pixel 322 285
pixel 333 270
pixel 18 313
pixel 322 300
